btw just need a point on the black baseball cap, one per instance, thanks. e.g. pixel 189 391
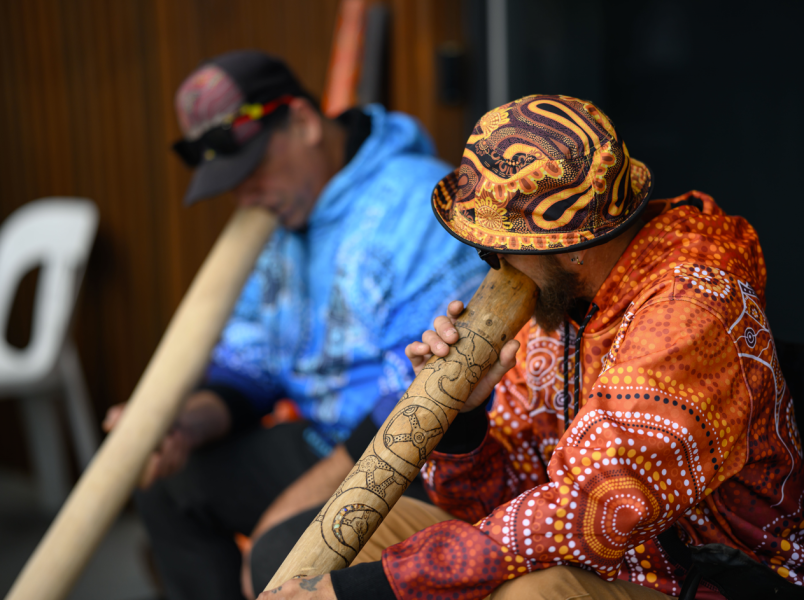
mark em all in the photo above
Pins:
pixel 226 109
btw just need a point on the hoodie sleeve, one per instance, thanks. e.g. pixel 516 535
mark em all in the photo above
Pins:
pixel 664 422
pixel 236 368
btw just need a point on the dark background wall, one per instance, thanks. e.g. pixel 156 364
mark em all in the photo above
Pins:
pixel 709 94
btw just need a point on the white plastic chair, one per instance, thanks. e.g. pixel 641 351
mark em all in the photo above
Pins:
pixel 55 234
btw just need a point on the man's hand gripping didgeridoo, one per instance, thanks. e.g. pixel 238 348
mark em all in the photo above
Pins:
pixel 438 342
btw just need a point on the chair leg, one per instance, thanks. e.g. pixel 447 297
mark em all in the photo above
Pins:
pixel 79 410
pixel 46 445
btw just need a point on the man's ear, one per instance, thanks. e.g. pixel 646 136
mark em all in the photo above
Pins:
pixel 307 120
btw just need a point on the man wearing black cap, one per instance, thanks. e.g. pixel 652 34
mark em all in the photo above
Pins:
pixel 323 319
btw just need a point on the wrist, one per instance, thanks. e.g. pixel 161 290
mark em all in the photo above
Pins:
pixel 366 580
pixel 467 431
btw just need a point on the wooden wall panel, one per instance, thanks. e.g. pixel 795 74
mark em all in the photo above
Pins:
pixel 86 109
pixel 419 28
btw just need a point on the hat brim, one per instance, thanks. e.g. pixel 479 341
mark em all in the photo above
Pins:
pixel 223 173
pixel 446 189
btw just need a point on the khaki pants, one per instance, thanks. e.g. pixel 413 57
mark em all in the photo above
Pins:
pixel 556 583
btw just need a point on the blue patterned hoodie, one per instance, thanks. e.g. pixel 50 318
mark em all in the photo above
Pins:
pixel 326 314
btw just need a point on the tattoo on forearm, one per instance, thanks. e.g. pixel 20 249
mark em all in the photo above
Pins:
pixel 309 584
pixel 277 590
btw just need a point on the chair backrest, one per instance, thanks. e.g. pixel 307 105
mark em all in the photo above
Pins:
pixel 55 234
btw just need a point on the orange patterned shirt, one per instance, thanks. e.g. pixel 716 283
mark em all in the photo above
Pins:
pixel 685 422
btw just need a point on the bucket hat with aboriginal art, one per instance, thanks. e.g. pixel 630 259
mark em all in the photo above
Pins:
pixel 540 175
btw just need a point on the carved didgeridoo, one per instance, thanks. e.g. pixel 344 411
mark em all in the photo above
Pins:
pixel 174 369
pixel 499 309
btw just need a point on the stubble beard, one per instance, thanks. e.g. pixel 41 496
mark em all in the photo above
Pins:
pixel 562 290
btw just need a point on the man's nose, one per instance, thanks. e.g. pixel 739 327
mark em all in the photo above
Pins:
pixel 243 199
pixel 247 194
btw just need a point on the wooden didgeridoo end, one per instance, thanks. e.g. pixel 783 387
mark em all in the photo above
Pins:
pixel 174 369
pixel 499 309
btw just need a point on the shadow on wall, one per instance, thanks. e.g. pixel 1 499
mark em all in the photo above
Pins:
pixel 709 96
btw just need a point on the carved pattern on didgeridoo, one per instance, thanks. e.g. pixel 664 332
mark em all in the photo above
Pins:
pixel 464 365
pixel 346 525
pixel 408 439
pixel 377 479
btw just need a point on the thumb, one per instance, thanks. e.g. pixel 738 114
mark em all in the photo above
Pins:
pixel 504 363
pixel 485 386
pixel 112 417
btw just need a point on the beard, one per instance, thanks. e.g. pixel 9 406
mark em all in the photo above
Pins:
pixel 562 291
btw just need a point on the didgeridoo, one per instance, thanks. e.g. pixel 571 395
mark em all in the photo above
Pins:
pixel 498 310
pixel 174 369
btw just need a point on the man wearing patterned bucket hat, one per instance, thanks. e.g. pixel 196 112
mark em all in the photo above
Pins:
pixel 323 319
pixel 643 412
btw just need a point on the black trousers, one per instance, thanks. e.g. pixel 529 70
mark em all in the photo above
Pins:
pixel 192 517
pixel 270 550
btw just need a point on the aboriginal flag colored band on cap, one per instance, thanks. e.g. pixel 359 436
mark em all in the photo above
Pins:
pixel 542 174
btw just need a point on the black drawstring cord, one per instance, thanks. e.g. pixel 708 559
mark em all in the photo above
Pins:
pixel 592 310
pixel 566 373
